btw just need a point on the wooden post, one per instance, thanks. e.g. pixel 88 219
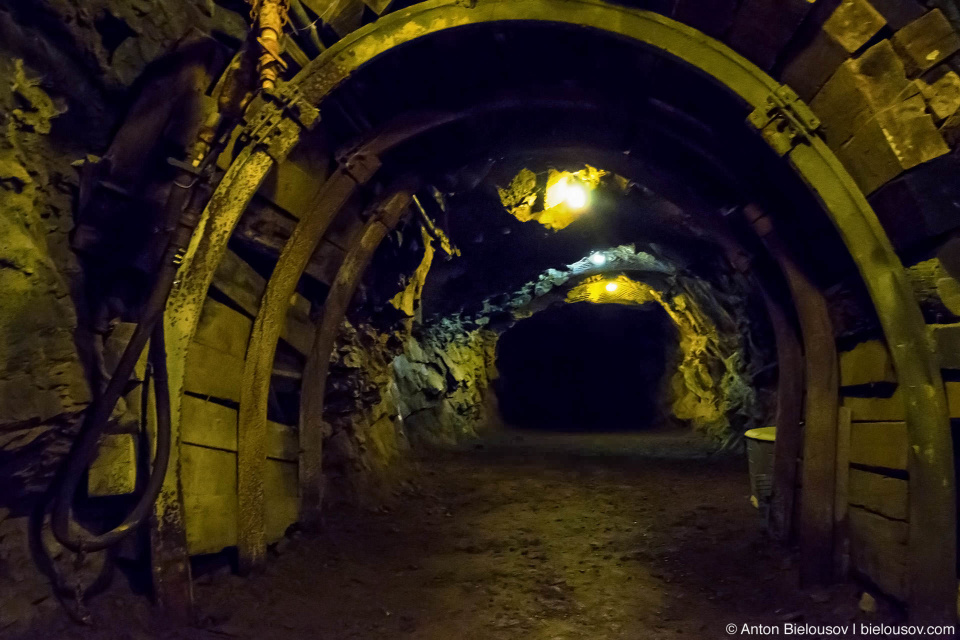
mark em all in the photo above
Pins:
pixel 841 506
pixel 258 366
pixel 817 494
pixel 312 427
pixel 789 409
pixel 818 491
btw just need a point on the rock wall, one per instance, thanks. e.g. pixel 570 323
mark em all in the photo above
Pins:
pixel 59 105
pixel 66 68
pixel 390 393
pixel 443 382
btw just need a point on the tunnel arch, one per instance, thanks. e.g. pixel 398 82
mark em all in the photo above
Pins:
pixel 278 129
pixel 710 350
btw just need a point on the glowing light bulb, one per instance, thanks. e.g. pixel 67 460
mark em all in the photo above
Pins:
pixel 611 287
pixel 575 196
pixel 598 259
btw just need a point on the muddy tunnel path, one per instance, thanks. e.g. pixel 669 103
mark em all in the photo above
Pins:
pixel 540 541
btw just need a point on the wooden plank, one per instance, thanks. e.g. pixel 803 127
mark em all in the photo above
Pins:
pixel 283 443
pixel 209 480
pixel 941 90
pixel 287 372
pixel 879 493
pixel 237 280
pixel 762 28
pixel 291 187
pixel 213 373
pixel 241 283
pixel 868 362
pixel 858 89
pixel 265 226
pixel 952 389
pixel 878 550
pixel 876 409
pixel 892 408
pixel 266 229
pixel 282 503
pixel 298 330
pixel 895 139
pixel 114 470
pixel 926 42
pixel 209 424
pixel 211 522
pixel 852 24
pixel 223 328
pixel 841 546
pixel 879 444
pixel 947 337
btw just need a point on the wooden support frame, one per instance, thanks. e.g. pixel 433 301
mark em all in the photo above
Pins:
pixel 818 491
pixel 258 366
pixel 932 529
pixel 822 386
pixel 841 503
pixel 312 428
pixel 787 446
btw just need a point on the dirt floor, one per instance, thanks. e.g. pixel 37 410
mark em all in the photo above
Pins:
pixel 526 537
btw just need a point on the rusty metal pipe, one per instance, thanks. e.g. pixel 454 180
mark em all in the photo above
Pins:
pixel 271 17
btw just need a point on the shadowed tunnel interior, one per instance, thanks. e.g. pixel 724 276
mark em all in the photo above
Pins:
pixel 609 375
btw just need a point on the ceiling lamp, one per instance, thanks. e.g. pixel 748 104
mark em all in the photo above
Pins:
pixel 598 259
pixel 611 287
pixel 569 191
pixel 576 196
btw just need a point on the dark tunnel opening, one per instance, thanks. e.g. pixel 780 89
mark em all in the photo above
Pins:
pixel 587 367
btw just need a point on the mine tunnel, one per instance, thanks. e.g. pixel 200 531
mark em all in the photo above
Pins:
pixel 589 367
pixel 481 319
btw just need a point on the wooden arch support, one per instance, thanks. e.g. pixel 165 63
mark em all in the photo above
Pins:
pixel 344 286
pixel 932 534
pixel 821 408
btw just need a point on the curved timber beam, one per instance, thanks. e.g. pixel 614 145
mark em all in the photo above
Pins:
pixel 932 537
pixel 258 365
pixel 789 442
pixel 312 428
pixel 821 408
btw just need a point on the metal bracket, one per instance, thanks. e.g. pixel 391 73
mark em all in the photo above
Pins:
pixel 361 166
pixel 785 120
pixel 293 102
pixel 263 126
pixel 283 103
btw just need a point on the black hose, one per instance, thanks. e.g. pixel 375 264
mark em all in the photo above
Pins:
pixel 95 422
